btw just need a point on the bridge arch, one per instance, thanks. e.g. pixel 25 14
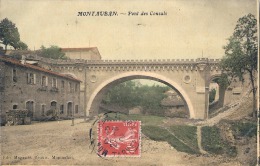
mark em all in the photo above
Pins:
pixel 213 77
pixel 138 75
pixel 221 91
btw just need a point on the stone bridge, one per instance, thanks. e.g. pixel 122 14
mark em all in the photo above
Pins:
pixel 190 78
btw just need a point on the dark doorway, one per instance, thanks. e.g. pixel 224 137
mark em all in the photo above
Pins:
pixel 30 108
pixel 69 109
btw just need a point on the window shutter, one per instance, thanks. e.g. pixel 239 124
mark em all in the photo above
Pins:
pixel 46 81
pixel 42 81
pixel 13 75
pixel 34 78
pixel 28 78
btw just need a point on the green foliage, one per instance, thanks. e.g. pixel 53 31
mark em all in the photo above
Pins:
pixel 9 34
pixel 160 134
pixel 213 143
pixel 130 94
pixel 244 129
pixel 21 46
pixel 146 120
pixel 156 133
pixel 211 140
pixel 223 81
pixel 151 98
pixel 124 94
pixel 178 145
pixel 212 95
pixel 177 114
pixel 188 134
pixel 53 52
pixel 241 52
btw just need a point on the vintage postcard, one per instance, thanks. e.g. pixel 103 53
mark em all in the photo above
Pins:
pixel 162 82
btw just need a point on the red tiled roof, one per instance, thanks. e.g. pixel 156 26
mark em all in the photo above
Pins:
pixel 16 62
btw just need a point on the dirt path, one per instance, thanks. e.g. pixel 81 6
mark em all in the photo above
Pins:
pixel 237 110
pixel 202 151
pixel 59 143
pixel 220 116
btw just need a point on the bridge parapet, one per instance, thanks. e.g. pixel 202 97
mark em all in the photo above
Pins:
pixel 181 63
pixel 141 61
pixel 206 60
pixel 215 60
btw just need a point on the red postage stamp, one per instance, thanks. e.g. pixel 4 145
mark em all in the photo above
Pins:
pixel 119 138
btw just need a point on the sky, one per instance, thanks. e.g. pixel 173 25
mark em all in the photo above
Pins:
pixel 191 29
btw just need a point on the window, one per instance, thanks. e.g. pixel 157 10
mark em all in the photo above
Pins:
pixel 61 109
pixel 15 106
pixel 31 78
pixel 76 87
pixel 54 82
pixel 70 87
pixel 76 109
pixel 44 81
pixel 14 75
pixel 43 110
pixel 62 85
pixel 53 105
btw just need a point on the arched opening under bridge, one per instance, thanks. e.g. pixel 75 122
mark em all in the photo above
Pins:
pixel 97 95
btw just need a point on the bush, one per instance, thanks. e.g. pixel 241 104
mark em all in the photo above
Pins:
pixel 177 113
pixel 212 142
pixel 188 134
pixel 145 119
pixel 130 94
pixel 244 129
pixel 160 134
pixel 156 133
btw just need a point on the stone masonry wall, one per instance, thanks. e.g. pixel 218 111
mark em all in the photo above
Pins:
pixel 18 91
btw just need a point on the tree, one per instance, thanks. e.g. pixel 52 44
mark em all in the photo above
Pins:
pixel 212 95
pixel 131 94
pixel 53 52
pixel 21 46
pixel 241 52
pixel 9 34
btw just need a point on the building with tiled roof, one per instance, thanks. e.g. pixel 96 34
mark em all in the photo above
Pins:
pixel 174 105
pixel 87 53
pixel 28 86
